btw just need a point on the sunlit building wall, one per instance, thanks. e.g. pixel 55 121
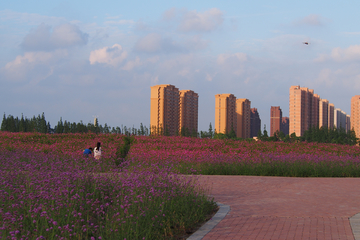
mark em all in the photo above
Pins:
pixel 164 109
pixel 331 115
pixel 323 113
pixel 275 120
pixel 355 114
pixel 225 113
pixel 243 106
pixel 189 110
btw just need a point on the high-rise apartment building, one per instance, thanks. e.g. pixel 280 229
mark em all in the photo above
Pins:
pixel 355 115
pixel 164 109
pixel 275 120
pixel 348 123
pixel 339 118
pixel 188 111
pixel 315 111
pixel 171 110
pixel 225 113
pixel 285 125
pixel 323 113
pixel 243 106
pixel 303 109
pixel 296 104
pixel 255 122
pixel 331 115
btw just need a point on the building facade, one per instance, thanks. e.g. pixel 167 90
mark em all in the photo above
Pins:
pixel 164 109
pixel 296 105
pixel 304 110
pixel 225 113
pixel 348 123
pixel 323 113
pixel 355 115
pixel 285 125
pixel 331 115
pixel 255 122
pixel 339 119
pixel 243 107
pixel 171 110
pixel 275 120
pixel 188 111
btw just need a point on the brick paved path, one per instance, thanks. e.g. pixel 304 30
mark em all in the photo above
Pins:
pixel 284 208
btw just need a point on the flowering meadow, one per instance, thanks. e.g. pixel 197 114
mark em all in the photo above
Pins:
pixel 49 190
pixel 231 157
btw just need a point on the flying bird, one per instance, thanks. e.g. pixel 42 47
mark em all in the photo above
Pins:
pixel 306 43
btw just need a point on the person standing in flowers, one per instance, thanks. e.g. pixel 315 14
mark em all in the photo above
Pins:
pixel 87 152
pixel 97 151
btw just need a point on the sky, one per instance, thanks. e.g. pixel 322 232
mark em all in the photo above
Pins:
pixel 80 59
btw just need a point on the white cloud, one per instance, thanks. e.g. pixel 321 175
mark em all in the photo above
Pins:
pixel 338 54
pixel 201 21
pixel 209 77
pixel 230 58
pixel 33 65
pixel 348 54
pixel 311 20
pixel 110 55
pixel 169 14
pixel 155 43
pixel 132 64
pixel 62 36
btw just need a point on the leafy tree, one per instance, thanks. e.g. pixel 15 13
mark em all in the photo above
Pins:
pixel 211 133
pixel 3 123
pixel 265 135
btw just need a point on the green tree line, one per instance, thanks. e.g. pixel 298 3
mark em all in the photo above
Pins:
pixel 39 124
pixel 315 134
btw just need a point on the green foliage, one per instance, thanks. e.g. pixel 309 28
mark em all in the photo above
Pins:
pixel 315 134
pixel 283 169
pixel 39 124
pixel 35 124
pixel 123 150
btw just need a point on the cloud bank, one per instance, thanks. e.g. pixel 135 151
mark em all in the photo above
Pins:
pixel 46 38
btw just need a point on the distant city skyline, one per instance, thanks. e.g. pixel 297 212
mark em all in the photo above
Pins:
pixel 76 59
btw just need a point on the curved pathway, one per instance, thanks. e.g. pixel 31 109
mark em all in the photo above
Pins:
pixel 284 208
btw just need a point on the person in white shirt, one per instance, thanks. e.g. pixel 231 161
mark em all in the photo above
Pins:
pixel 97 151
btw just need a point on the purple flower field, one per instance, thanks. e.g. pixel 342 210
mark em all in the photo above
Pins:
pixel 55 196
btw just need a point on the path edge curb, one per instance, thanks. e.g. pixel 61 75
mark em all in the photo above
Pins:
pixel 355 226
pixel 209 225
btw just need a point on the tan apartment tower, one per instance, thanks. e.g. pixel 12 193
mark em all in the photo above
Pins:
pixel 164 109
pixel 315 110
pixel 225 113
pixel 323 113
pixel 296 103
pixel 303 109
pixel 355 115
pixel 189 111
pixel 331 110
pixel 243 111
pixel 275 120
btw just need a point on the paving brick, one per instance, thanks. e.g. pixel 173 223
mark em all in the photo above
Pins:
pixel 284 208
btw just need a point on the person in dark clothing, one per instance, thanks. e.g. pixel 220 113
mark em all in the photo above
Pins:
pixel 88 151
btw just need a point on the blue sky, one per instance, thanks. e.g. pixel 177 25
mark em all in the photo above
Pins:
pixel 78 59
